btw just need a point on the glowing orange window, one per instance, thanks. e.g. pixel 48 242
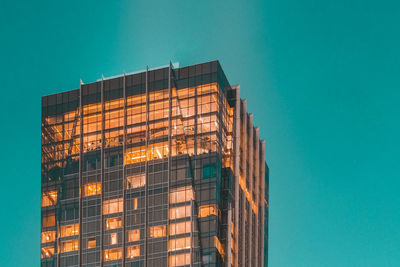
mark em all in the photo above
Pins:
pixel 49 236
pixel 70 245
pixel 158 231
pixel 49 198
pixel 112 254
pixel 208 210
pixel 134 235
pixel 136 181
pixel 133 252
pixel 113 206
pixel 49 220
pixel 113 223
pixel 179 243
pixel 91 242
pixel 179 259
pixel 47 252
pixel 179 228
pixel 69 230
pixel 92 189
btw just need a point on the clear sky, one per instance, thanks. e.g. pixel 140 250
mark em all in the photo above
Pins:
pixel 321 77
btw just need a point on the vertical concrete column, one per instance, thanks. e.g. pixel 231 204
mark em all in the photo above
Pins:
pixel 244 140
pixel 262 197
pixel 237 172
pixel 257 193
pixel 250 188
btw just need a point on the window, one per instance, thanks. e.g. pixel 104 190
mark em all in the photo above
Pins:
pixel 134 235
pixel 135 203
pixel 49 220
pixel 49 236
pixel 133 252
pixel 69 230
pixel 179 243
pixel 91 242
pixel 181 194
pixel 158 231
pixel 179 228
pixel 179 259
pixel 209 171
pixel 219 246
pixel 114 238
pixel 92 189
pixel 179 212
pixel 113 223
pixel 112 254
pixel 70 245
pixel 208 210
pixel 113 206
pixel 136 181
pixel 49 198
pixel 47 252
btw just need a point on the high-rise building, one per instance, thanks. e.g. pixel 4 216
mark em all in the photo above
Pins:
pixel 156 168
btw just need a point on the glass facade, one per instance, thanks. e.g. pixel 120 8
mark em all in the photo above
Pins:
pixel 146 169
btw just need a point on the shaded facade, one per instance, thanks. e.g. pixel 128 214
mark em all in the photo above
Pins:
pixel 158 168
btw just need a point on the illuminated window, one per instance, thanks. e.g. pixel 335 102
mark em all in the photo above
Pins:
pixel 179 228
pixel 49 220
pixel 158 231
pixel 135 203
pixel 136 181
pixel 91 242
pixel 134 235
pixel 181 194
pixel 69 230
pixel 92 189
pixel 208 210
pixel 70 245
pixel 47 252
pixel 219 246
pixel 49 236
pixel 179 243
pixel 113 206
pixel 179 212
pixel 112 254
pixel 113 223
pixel 49 198
pixel 113 238
pixel 133 252
pixel 179 259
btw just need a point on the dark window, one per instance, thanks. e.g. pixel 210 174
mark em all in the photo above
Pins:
pixel 209 171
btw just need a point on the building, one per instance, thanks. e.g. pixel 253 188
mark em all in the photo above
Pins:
pixel 156 168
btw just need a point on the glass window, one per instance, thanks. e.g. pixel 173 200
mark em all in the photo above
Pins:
pixel 179 243
pixel 70 245
pixel 179 228
pixel 49 198
pixel 181 194
pixel 134 235
pixel 91 242
pixel 92 189
pixel 113 238
pixel 209 171
pixel 113 206
pixel 47 252
pixel 179 212
pixel 158 231
pixel 49 220
pixel 135 203
pixel 112 254
pixel 219 246
pixel 179 259
pixel 133 252
pixel 69 230
pixel 113 223
pixel 49 236
pixel 208 210
pixel 136 181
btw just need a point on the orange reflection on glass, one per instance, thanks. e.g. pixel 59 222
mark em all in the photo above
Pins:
pixel 208 210
pixel 92 189
pixel 133 252
pixel 47 252
pixel 113 206
pixel 49 198
pixel 49 236
pixel 158 231
pixel 69 230
pixel 113 223
pixel 70 245
pixel 112 254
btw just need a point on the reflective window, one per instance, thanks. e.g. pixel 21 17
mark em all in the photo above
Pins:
pixel 70 245
pixel 179 243
pixel 179 212
pixel 91 242
pixel 133 235
pixel 69 230
pixel 47 252
pixel 92 189
pixel 181 194
pixel 208 210
pixel 49 220
pixel 179 228
pixel 113 223
pixel 133 252
pixel 112 254
pixel 136 181
pixel 113 238
pixel 49 236
pixel 158 231
pixel 49 198
pixel 179 259
pixel 113 206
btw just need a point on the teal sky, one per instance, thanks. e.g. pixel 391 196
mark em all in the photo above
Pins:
pixel 321 77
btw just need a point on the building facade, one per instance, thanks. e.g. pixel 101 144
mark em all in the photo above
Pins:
pixel 157 168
